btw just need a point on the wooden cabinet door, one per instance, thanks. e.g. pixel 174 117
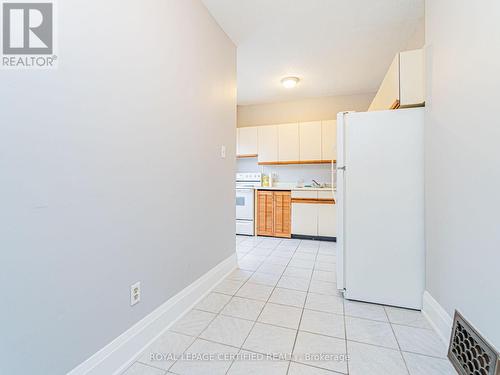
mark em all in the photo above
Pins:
pixel 268 144
pixel 310 141
pixel 248 141
pixel 288 143
pixel 329 140
pixel 282 214
pixel 265 210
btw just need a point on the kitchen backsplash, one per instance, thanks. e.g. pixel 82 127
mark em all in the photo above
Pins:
pixel 290 173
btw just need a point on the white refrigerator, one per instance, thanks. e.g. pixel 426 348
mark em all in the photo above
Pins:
pixel 380 207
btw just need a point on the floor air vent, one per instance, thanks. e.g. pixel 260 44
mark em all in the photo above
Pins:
pixel 469 352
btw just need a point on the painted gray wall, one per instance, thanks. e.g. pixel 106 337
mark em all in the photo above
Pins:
pixel 463 160
pixel 110 173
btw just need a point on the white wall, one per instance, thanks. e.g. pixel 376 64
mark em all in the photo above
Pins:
pixel 289 173
pixel 110 173
pixel 463 160
pixel 417 40
pixel 310 109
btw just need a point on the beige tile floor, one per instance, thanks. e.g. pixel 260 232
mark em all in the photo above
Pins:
pixel 280 313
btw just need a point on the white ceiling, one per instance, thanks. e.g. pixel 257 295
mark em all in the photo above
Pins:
pixel 336 47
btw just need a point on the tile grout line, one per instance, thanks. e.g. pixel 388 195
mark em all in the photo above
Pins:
pixel 312 333
pixel 345 332
pixel 263 307
pixel 397 341
pixel 290 259
pixel 165 372
pixel 245 281
pixel 302 313
pixel 211 321
pixel 194 308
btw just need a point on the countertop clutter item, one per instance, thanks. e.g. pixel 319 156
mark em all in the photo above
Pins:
pixel 265 180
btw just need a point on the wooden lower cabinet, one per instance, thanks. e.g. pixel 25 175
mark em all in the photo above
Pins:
pixel 282 214
pixel 265 213
pixel 274 213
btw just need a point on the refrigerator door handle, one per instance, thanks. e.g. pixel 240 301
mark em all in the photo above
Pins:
pixel 340 199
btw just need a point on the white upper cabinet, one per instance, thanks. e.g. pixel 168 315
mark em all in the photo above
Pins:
pixel 268 144
pixel 310 140
pixel 412 77
pixel 404 83
pixel 329 140
pixel 248 141
pixel 288 142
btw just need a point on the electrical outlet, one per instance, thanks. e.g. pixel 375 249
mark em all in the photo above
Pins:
pixel 223 151
pixel 135 293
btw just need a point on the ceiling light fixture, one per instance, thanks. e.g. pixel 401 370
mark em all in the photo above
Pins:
pixel 290 82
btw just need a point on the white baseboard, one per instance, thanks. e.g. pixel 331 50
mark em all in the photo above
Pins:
pixel 122 351
pixel 439 319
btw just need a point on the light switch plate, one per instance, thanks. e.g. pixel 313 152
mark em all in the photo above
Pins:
pixel 223 151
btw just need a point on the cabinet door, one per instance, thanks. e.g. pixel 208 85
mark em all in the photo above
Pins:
pixel 310 141
pixel 268 144
pixel 305 219
pixel 388 94
pixel 329 140
pixel 412 77
pixel 237 142
pixel 248 141
pixel 288 142
pixel 326 194
pixel 265 213
pixel 327 220
pixel 282 213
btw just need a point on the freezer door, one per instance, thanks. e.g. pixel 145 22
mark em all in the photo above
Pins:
pixel 382 201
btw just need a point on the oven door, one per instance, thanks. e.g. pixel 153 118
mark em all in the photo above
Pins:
pixel 244 204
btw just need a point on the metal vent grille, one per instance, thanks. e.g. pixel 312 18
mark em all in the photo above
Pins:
pixel 469 352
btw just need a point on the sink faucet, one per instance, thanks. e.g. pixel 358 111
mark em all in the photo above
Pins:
pixel 316 183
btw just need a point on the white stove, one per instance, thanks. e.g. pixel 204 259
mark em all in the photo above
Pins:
pixel 245 209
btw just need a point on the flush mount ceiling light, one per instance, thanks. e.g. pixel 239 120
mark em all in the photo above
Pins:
pixel 290 82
